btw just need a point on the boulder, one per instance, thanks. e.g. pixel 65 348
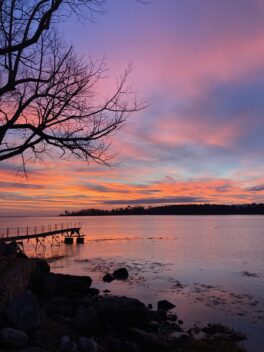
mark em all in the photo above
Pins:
pixel 23 312
pixel 42 265
pixel 15 278
pixel 87 344
pixel 108 278
pixel 49 284
pixel 21 254
pixel 67 345
pixel 93 291
pixel 13 338
pixel 74 283
pixel 172 317
pixel 158 315
pixel 165 305
pixel 123 311
pixel 149 342
pixel 61 306
pixel 86 320
pixel 7 249
pixel 45 284
pixel 120 274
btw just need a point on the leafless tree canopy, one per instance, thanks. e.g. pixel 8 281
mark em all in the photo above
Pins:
pixel 47 93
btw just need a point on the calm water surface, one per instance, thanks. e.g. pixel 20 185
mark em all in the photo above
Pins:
pixel 211 267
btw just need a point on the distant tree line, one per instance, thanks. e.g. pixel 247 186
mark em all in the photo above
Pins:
pixel 176 209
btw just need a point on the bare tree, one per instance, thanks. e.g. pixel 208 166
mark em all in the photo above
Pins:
pixel 48 96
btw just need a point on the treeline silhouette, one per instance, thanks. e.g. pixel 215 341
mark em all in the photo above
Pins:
pixel 176 209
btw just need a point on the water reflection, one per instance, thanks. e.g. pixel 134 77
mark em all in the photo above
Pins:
pixel 197 262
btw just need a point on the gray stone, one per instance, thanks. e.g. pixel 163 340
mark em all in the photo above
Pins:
pixel 149 342
pixel 154 325
pixel 13 338
pixel 86 320
pixel 158 315
pixel 67 345
pixel 86 344
pixel 123 311
pixel 23 312
pixel 172 317
pixel 33 349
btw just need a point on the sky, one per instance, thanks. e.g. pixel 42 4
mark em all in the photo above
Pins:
pixel 200 66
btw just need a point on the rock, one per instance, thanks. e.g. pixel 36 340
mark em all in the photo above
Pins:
pixel 114 344
pixel 212 329
pixel 123 311
pixel 158 315
pixel 149 342
pixel 86 344
pixel 154 325
pixel 22 255
pixel 23 312
pixel 62 306
pixel 67 345
pixel 15 278
pixel 44 284
pixel 93 291
pixel 7 249
pixel 108 278
pixel 177 327
pixel 33 349
pixel 42 265
pixel 12 338
pixel 120 274
pixel 74 283
pixel 49 284
pixel 172 317
pixel 86 321
pixel 165 305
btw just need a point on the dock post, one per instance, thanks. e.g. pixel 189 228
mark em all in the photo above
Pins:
pixel 79 240
pixel 68 240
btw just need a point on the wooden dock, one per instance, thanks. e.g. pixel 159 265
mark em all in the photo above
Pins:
pixel 58 233
pixel 66 232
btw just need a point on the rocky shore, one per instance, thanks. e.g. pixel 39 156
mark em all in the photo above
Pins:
pixel 43 311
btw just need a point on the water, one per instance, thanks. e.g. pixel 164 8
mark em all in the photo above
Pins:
pixel 211 267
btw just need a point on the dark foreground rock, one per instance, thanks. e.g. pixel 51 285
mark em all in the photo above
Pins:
pixel 149 342
pixel 165 305
pixel 123 311
pixel 108 278
pixel 23 312
pixel 64 314
pixel 49 284
pixel 13 338
pixel 120 274
pixel 86 320
pixel 87 344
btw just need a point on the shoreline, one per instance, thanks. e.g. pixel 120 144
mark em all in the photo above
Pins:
pixel 79 315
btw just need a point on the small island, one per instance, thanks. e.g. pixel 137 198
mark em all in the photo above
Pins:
pixel 175 209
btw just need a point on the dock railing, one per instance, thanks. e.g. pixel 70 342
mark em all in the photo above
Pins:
pixel 12 231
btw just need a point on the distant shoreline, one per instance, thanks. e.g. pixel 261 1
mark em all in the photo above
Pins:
pixel 175 209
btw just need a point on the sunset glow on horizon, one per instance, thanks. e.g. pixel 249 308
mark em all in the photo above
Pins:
pixel 200 67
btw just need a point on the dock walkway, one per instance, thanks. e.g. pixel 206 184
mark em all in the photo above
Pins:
pixel 66 231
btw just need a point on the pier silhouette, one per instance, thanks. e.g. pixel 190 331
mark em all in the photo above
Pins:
pixel 57 233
